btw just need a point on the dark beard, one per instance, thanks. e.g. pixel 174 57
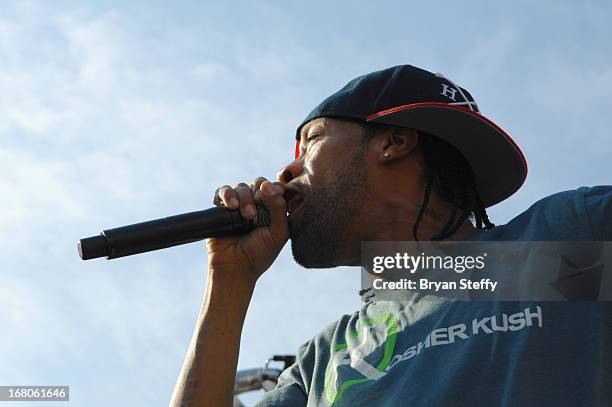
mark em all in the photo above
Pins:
pixel 326 213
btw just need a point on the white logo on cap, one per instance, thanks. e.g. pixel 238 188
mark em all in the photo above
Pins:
pixel 448 91
pixel 471 104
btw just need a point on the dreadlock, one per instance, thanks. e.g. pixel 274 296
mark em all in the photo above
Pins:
pixel 453 179
pixel 447 173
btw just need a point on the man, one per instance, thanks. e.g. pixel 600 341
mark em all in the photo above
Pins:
pixel 403 154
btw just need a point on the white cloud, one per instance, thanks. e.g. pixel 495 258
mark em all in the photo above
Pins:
pixel 32 190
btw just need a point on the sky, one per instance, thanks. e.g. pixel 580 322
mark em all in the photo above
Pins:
pixel 116 112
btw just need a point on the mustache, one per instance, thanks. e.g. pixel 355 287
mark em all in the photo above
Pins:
pixel 295 189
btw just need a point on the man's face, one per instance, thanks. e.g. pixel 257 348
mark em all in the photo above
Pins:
pixel 326 186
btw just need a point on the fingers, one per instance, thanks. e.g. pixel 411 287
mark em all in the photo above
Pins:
pixel 271 195
pixel 257 183
pixel 228 197
pixel 247 201
pixel 245 197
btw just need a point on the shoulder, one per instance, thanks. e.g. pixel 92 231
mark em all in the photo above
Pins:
pixel 579 214
pixel 598 206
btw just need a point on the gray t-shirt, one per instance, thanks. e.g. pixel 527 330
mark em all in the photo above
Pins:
pixel 433 352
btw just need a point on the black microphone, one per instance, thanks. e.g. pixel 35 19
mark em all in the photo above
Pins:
pixel 171 231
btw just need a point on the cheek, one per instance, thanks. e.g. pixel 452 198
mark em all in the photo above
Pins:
pixel 325 159
pixel 317 165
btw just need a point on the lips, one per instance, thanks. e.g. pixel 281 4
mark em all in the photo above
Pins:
pixel 294 200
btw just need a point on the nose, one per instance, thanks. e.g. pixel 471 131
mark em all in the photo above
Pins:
pixel 289 172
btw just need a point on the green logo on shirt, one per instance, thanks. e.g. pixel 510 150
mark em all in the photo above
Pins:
pixel 361 344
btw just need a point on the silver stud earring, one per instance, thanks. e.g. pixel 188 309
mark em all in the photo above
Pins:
pixel 386 154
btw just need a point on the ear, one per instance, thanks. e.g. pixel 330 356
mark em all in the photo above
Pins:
pixel 395 143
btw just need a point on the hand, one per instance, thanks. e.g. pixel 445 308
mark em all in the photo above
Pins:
pixel 251 254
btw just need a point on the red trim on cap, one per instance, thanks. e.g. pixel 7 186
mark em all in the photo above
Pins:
pixel 297 149
pixel 449 106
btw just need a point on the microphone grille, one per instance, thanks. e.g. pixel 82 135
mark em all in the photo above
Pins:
pixel 263 216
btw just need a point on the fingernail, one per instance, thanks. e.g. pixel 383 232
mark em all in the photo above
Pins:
pixel 250 210
pixel 233 202
pixel 271 189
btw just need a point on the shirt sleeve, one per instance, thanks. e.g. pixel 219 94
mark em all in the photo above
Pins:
pixel 598 207
pixel 290 390
pixel 295 385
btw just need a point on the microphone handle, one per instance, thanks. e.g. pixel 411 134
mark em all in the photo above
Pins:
pixel 171 231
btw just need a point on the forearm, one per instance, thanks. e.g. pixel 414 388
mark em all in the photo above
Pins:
pixel 209 370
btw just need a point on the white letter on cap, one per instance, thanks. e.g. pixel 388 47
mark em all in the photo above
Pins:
pixel 446 89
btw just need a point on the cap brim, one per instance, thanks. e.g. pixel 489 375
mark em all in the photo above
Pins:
pixel 498 164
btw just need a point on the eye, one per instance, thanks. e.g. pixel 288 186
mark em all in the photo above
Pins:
pixel 312 136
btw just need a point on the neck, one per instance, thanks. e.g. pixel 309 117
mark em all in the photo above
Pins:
pixel 395 218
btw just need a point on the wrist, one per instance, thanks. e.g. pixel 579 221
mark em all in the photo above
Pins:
pixel 228 293
pixel 231 275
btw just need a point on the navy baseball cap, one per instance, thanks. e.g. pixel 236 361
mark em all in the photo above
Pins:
pixel 414 98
